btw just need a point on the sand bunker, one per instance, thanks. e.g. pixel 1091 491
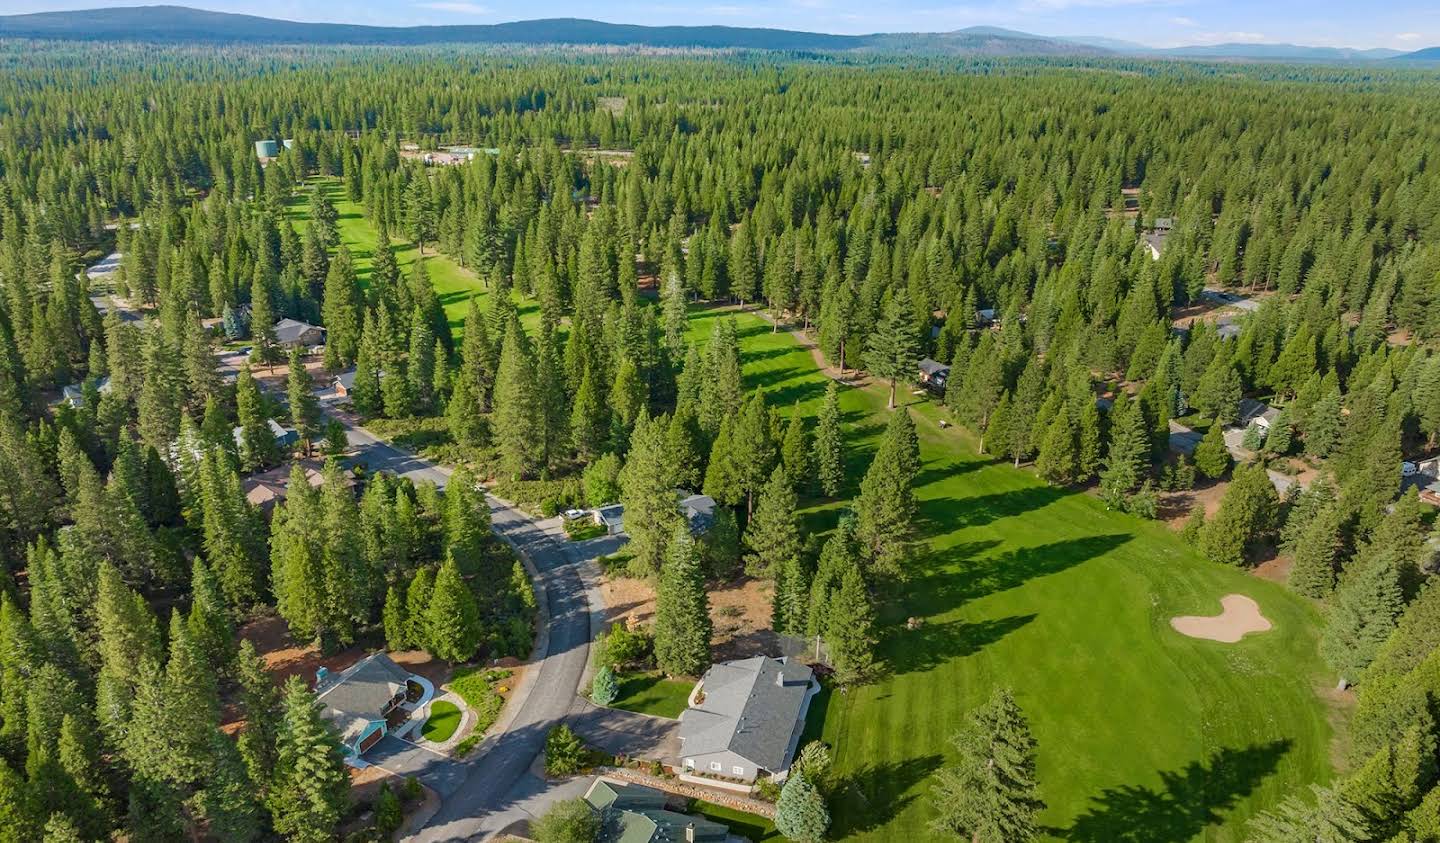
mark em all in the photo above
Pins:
pixel 1239 617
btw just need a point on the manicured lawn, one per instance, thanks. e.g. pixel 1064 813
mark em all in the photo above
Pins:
pixel 653 694
pixel 751 826
pixel 444 720
pixel 1143 734
pixel 454 284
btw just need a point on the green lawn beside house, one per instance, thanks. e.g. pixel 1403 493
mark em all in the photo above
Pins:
pixel 753 827
pixel 1143 734
pixel 651 693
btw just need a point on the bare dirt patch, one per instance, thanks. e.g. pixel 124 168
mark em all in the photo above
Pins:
pixel 1239 617
pixel 740 612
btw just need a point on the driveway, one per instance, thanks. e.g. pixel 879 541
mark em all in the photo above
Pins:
pixel 627 733
pixel 402 758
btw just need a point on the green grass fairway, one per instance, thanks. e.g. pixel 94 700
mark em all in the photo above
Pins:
pixel 1143 734
pixel 653 694
pixel 454 284
pixel 444 720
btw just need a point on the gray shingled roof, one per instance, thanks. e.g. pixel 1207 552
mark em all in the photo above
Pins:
pixel 750 709
pixel 359 695
pixel 291 330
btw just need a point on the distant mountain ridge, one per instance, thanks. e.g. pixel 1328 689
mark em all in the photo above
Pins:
pixel 181 24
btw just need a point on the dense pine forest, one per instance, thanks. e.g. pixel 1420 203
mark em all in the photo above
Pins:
pixel 1056 232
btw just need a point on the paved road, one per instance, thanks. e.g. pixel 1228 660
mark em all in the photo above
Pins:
pixel 500 780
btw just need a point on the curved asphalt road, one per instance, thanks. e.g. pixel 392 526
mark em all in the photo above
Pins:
pixel 499 785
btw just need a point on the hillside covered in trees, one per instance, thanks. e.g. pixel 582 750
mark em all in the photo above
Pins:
pixel 995 216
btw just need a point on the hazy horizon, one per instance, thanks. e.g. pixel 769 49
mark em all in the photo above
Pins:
pixel 1405 25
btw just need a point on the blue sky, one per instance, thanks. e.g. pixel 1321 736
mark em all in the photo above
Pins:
pixel 1401 24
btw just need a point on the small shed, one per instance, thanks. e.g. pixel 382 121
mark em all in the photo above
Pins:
pixel 612 518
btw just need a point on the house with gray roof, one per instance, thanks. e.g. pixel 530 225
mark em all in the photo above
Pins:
pixel 369 700
pixel 292 332
pixel 632 813
pixel 699 512
pixel 745 719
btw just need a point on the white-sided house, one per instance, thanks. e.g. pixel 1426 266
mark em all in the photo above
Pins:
pixel 370 699
pixel 745 719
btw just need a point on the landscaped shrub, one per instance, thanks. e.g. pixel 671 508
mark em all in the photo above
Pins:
pixel 622 647
pixel 388 814
pixel 604 688
pixel 564 752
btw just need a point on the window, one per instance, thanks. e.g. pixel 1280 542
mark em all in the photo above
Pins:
pixel 737 770
pixel 689 763
pixel 716 766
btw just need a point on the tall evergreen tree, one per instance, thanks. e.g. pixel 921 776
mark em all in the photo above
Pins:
pixel 682 611
pixel 773 535
pixel 893 349
pixel 311 788
pixel 830 444
pixel 991 794
pixel 453 617
pixel 886 506
pixel 647 490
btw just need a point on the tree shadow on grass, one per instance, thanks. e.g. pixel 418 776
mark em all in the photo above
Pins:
pixel 943 515
pixel 933 644
pixel 1186 802
pixel 872 795
pixel 956 577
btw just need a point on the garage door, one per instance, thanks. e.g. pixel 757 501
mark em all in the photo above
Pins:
pixel 371 739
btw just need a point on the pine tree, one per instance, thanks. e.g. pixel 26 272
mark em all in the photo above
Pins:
pixel 452 620
pixel 991 794
pixel 892 349
pixel 209 622
pixel 673 316
pixel 260 702
pixel 647 490
pixel 1212 457
pixel 311 788
pixel 234 541
pixel 395 621
pixel 1247 514
pixel 1127 460
pixel 1331 819
pixel 257 444
pixel 773 535
pixel 682 611
pixel 1318 553
pixel 886 506
pixel 792 597
pixel 849 628
pixel 830 444
pixel 417 605
pixel 304 406
pixel 341 312
pixel 795 451
pixel 1058 461
pixel 800 813
pixel 226 799
pixel 262 318
pixel 517 405
pixel 1364 614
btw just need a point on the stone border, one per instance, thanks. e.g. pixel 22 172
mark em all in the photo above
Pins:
pixel 758 807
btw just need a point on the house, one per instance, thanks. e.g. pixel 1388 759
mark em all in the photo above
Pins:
pixel 344 383
pixel 934 375
pixel 285 437
pixel 265 489
pixel 370 699
pixel 266 149
pixel 638 814
pixel 745 719
pixel 1183 440
pixel 699 512
pixel 984 316
pixel 1258 413
pixel 74 394
pixel 612 518
pixel 292 332
pixel 1155 242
